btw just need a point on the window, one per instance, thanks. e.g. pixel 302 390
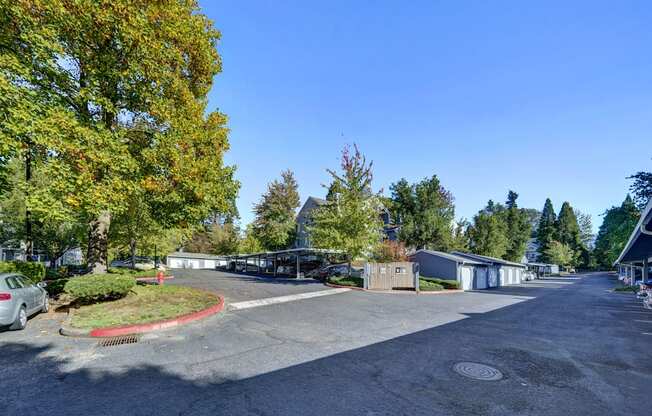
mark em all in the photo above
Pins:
pixel 383 270
pixel 25 281
pixel 13 282
pixel 400 270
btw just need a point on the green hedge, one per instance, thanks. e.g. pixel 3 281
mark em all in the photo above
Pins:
pixel 446 284
pixel 99 287
pixel 347 281
pixel 428 285
pixel 33 270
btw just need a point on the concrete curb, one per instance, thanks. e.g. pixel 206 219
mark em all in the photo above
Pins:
pixel 115 331
pixel 398 292
pixel 344 287
pixel 152 278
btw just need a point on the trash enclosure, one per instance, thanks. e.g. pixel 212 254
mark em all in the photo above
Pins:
pixel 388 276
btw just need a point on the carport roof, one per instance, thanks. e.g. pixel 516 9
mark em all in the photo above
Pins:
pixel 639 246
pixel 184 255
pixel 487 259
pixel 452 257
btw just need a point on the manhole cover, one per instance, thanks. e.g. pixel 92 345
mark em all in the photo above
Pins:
pixel 478 371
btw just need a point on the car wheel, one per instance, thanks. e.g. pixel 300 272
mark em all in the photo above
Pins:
pixel 46 304
pixel 21 320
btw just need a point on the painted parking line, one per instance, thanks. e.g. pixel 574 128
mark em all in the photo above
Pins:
pixel 283 299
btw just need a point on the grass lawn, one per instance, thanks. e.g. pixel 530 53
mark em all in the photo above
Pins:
pixel 144 304
pixel 429 286
pixel 626 289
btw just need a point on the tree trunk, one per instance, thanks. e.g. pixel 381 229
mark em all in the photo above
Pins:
pixel 29 239
pixel 98 243
pixel 132 252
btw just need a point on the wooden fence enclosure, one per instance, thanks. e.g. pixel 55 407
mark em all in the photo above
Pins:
pixel 388 276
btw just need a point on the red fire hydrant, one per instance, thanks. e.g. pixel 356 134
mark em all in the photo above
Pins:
pixel 159 277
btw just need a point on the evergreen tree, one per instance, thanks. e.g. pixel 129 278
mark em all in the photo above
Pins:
pixel 488 234
pixel 350 218
pixel 547 230
pixel 617 226
pixel 585 223
pixel 568 232
pixel 426 213
pixel 518 229
pixel 274 225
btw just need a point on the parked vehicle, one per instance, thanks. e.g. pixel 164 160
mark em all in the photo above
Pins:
pixel 335 270
pixel 20 298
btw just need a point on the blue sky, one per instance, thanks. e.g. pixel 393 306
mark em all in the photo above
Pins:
pixel 549 99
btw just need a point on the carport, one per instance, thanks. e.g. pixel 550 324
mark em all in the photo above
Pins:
pixel 635 257
pixel 296 262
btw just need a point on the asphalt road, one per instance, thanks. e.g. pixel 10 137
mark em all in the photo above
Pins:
pixel 565 348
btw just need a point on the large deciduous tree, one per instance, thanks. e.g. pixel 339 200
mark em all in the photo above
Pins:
pixel 641 188
pixel 617 226
pixel 426 212
pixel 488 233
pixel 350 218
pixel 109 99
pixel 274 225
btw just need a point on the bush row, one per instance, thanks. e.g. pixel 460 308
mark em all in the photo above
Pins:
pixel 99 287
pixel 427 285
pixel 446 284
pixel 33 270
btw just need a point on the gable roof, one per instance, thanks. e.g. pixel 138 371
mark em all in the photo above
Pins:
pixel 184 255
pixel 487 259
pixel 453 257
pixel 639 244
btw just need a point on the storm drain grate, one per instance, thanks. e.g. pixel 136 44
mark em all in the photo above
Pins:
pixel 115 341
pixel 478 371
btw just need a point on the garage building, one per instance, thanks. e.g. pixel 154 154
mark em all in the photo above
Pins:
pixel 500 272
pixel 470 274
pixel 181 260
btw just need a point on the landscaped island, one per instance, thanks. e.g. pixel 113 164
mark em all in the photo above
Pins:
pixel 144 304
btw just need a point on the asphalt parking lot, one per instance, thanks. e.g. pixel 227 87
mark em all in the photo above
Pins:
pixel 563 347
pixel 241 287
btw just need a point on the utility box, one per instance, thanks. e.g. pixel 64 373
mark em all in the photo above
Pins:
pixel 388 276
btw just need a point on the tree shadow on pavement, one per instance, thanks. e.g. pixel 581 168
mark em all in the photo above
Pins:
pixel 547 371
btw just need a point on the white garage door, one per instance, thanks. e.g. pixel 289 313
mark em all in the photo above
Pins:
pixel 466 276
pixel 493 277
pixel 480 278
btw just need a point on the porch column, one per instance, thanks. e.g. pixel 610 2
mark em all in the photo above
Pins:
pixel 298 265
pixel 646 266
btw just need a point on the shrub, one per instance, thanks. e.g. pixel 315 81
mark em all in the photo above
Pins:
pixel 347 281
pixel 33 270
pixel 446 284
pixel 99 287
pixel 429 286
pixel 56 287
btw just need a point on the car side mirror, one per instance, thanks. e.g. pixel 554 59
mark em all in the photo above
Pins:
pixel 42 285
